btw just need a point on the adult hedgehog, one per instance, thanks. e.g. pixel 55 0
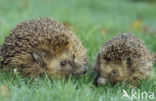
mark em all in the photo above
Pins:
pixel 123 58
pixel 43 45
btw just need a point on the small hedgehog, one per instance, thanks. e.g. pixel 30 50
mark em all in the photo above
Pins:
pixel 43 46
pixel 123 58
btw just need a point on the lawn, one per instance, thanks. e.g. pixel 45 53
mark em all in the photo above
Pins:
pixel 94 22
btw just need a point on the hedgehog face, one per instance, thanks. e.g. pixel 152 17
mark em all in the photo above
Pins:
pixel 110 71
pixel 64 64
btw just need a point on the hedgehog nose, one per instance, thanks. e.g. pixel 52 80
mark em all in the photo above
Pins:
pixel 101 81
pixel 85 69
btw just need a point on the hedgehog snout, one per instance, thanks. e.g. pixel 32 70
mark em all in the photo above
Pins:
pixel 104 80
pixel 101 81
pixel 85 68
pixel 82 69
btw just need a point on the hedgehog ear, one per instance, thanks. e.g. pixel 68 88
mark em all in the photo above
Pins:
pixel 73 56
pixel 103 59
pixel 98 63
pixel 128 62
pixel 38 56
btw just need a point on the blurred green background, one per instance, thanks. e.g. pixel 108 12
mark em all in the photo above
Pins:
pixel 94 22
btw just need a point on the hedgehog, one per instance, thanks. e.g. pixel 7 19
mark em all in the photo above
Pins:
pixel 43 45
pixel 123 58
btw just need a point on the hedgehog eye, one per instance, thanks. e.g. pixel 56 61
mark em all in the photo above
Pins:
pixel 63 63
pixel 115 72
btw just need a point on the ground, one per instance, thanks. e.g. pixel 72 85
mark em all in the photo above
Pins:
pixel 94 22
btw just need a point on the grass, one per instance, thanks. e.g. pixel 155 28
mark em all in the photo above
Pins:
pixel 94 22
